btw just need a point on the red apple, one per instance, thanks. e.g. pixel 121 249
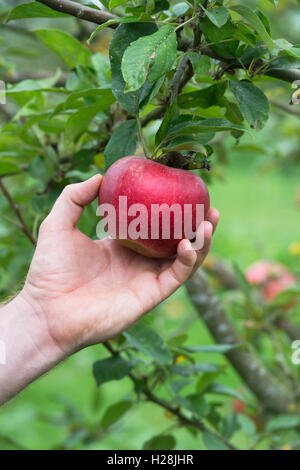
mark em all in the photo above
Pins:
pixel 146 182
pixel 238 406
pixel 271 277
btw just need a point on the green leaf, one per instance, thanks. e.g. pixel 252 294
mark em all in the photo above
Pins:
pixel 188 142
pixel 52 126
pixel 124 35
pixel 206 379
pixel 122 143
pixel 242 281
pixel 146 340
pixel 151 56
pixel 7 167
pixel 218 16
pixel 42 85
pixel 186 371
pixel 253 103
pixel 77 99
pixel 201 63
pixel 80 120
pixel 83 159
pixel 114 413
pixel 112 368
pixel 160 442
pixel 34 10
pixel 217 36
pixel 205 125
pixel 196 404
pixel 169 115
pixel 285 62
pixel 233 113
pixel 211 442
pixel 230 425
pixel 246 424
pixel 125 19
pixel 204 98
pixel 285 47
pixel 286 297
pixel 41 169
pixel 65 46
pixel 179 9
pixel 283 422
pixel 214 348
pixel 115 3
pixel 221 389
pixel 255 22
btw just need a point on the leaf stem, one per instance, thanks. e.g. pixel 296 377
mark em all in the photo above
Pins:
pixel 185 23
pixel 17 211
pixel 183 419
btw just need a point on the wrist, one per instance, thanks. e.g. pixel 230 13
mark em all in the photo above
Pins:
pixel 29 349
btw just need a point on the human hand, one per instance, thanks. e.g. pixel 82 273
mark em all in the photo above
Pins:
pixel 85 291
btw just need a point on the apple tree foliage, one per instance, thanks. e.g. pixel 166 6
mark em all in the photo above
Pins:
pixel 180 76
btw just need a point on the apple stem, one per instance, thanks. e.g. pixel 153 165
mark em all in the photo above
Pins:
pixel 143 143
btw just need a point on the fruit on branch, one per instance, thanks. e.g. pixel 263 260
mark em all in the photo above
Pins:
pixel 238 406
pixel 271 277
pixel 156 198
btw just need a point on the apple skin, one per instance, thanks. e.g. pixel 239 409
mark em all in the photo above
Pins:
pixel 271 277
pixel 238 406
pixel 146 182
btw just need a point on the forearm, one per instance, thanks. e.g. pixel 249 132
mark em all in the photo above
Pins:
pixel 27 350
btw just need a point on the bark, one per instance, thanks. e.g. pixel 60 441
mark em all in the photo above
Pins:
pixel 272 394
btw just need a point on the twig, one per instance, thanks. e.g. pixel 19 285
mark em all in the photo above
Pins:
pixel 80 11
pixel 16 210
pixel 100 17
pixel 164 404
pixel 177 80
pixel 285 107
pixel 273 394
pixel 61 81
pixel 157 113
pixel 228 279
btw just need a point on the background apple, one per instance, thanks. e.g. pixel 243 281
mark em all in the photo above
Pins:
pixel 271 277
pixel 147 182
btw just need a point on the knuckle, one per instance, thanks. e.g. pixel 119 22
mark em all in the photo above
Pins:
pixel 67 191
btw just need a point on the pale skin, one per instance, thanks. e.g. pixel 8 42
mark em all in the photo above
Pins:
pixel 80 292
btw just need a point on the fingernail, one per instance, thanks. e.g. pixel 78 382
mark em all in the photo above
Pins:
pixel 188 246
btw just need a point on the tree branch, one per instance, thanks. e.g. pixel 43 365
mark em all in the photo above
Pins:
pixel 228 279
pixel 16 210
pixel 100 17
pixel 80 11
pixel 156 113
pixel 14 79
pixel 177 83
pixel 285 107
pixel 164 404
pixel 274 395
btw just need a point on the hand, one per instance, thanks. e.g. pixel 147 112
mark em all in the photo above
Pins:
pixel 85 291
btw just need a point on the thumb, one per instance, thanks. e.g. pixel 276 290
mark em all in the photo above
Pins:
pixel 68 208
